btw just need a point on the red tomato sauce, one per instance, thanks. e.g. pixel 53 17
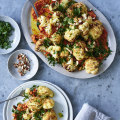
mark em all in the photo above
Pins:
pixel 92 14
pixel 39 5
pixel 104 42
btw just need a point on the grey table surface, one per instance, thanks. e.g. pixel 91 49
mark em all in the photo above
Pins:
pixel 102 92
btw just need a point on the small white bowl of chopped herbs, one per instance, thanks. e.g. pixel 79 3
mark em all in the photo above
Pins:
pixel 9 34
pixel 23 64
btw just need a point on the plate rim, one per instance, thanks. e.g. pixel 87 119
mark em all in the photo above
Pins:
pixel 69 105
pixel 22 79
pixel 19 38
pixel 70 75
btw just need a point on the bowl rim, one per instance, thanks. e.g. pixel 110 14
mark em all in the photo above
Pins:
pixel 11 19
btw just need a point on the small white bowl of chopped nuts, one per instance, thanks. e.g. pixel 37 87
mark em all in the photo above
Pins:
pixel 23 64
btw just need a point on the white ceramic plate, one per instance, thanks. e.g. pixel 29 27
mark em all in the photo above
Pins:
pixel 26 26
pixel 66 97
pixel 15 37
pixel 34 64
pixel 60 101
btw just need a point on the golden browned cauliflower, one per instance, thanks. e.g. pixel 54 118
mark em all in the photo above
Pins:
pixel 54 19
pixel 83 9
pixel 70 35
pixel 53 50
pixel 89 20
pixel 64 3
pixel 48 104
pixel 56 38
pixel 27 115
pixel 97 30
pixel 79 50
pixel 92 66
pixel 64 53
pixel 49 116
pixel 69 66
pixel 85 37
pixel 43 21
pixel 44 91
pixel 38 44
pixel 84 28
pixel 80 5
pixel 34 104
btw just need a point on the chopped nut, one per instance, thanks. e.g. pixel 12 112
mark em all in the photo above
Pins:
pixel 23 64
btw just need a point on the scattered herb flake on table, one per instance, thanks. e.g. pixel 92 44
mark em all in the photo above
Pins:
pixel 5 32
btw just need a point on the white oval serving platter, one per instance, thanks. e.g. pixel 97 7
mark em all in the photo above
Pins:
pixel 26 26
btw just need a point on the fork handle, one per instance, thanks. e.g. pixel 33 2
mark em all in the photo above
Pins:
pixel 9 99
pixel 34 8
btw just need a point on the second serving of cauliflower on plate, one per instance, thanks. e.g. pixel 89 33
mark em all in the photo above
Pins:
pixel 69 33
pixel 39 105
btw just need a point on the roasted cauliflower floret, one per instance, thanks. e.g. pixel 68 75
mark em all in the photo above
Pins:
pixel 85 37
pixel 97 30
pixel 54 19
pixel 48 104
pixel 79 50
pixel 77 9
pixel 38 44
pixel 43 21
pixel 80 5
pixel 53 50
pixel 27 116
pixel 56 38
pixel 34 103
pixel 77 20
pixel 70 35
pixel 64 53
pixel 69 66
pixel 64 3
pixel 48 29
pixel 89 20
pixel 49 116
pixel 44 91
pixel 84 28
pixel 91 66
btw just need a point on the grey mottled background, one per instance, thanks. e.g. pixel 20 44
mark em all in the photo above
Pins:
pixel 102 92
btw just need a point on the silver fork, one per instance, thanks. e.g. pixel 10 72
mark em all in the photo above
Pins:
pixel 21 94
pixel 32 3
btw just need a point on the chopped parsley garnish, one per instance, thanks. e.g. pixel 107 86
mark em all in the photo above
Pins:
pixel 61 9
pixel 5 32
pixel 33 87
pixel 51 60
pixel 38 115
pixel 77 11
pixel 19 114
pixel 61 31
pixel 46 42
pixel 71 3
pixel 62 60
pixel 98 50
pixel 69 47
pixel 38 23
pixel 67 20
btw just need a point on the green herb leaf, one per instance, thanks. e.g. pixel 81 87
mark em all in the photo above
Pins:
pixel 77 11
pixel 47 42
pixel 5 32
